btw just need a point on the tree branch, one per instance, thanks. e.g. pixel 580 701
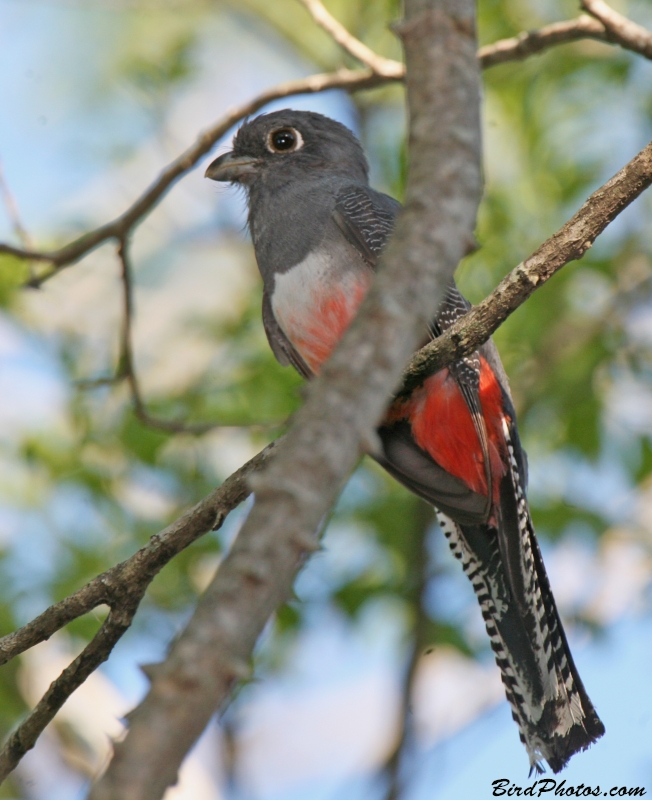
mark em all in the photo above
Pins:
pixel 419 570
pixel 620 29
pixel 127 367
pixel 513 49
pixel 349 80
pixel 121 588
pixel 343 407
pixel 126 370
pixel 116 584
pixel 569 243
pixel 95 653
pixel 529 43
pixel 381 66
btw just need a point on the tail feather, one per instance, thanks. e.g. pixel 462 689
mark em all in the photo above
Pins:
pixel 568 717
pixel 553 712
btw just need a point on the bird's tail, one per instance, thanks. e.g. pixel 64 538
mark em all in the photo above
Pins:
pixel 549 703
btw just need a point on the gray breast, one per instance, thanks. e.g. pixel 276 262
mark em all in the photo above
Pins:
pixel 290 221
pixel 315 300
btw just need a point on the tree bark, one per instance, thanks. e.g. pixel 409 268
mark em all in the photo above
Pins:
pixel 344 405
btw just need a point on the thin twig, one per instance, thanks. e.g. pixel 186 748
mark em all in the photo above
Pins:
pixel 95 653
pixel 121 588
pixel 380 65
pixel 127 367
pixel 529 43
pixel 18 252
pixel 116 584
pixel 11 207
pixel 349 80
pixel 418 574
pixel 620 29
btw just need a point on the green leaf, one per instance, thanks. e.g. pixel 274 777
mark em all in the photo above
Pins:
pixel 14 272
pixel 440 633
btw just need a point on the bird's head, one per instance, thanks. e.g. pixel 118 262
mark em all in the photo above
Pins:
pixel 286 145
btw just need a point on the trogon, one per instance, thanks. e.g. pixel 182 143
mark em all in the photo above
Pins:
pixel 318 231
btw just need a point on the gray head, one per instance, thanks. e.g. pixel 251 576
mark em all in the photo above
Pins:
pixel 287 145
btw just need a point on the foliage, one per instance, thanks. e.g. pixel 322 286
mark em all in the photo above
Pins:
pixel 564 350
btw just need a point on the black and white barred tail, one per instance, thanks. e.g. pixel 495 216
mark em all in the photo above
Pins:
pixel 553 712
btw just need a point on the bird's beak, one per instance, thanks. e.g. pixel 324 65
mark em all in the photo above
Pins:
pixel 230 167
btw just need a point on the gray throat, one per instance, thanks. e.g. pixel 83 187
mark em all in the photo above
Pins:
pixel 289 218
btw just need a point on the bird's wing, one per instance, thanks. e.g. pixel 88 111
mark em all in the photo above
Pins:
pixel 281 346
pixel 366 218
pixel 466 372
pixel 420 473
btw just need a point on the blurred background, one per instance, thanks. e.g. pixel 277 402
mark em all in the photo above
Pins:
pixel 382 659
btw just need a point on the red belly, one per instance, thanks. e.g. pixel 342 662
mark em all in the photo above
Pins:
pixel 442 426
pixel 315 335
pixel 437 412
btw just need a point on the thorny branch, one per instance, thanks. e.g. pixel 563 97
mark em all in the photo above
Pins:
pixel 123 586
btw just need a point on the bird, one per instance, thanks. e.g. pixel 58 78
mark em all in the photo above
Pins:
pixel 318 231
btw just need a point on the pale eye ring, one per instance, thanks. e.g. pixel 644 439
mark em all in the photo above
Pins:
pixel 284 140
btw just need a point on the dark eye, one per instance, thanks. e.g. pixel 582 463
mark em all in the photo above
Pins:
pixel 284 140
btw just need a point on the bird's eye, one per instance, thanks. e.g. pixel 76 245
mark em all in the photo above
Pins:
pixel 284 140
